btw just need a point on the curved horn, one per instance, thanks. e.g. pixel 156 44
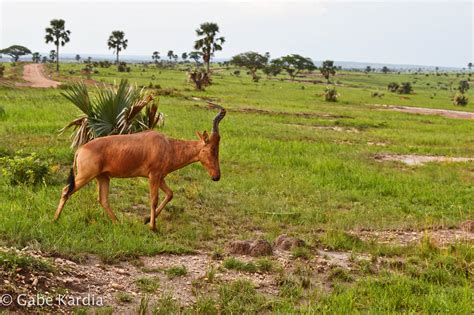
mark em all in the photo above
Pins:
pixel 218 118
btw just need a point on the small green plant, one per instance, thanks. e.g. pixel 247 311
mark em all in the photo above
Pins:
pixel 301 252
pixel 166 305
pixel 143 306
pixel 149 285
pixel 235 264
pixel 11 261
pixel 339 273
pixel 240 297
pixel 124 297
pixel 205 305
pixel 3 114
pixel 25 169
pixel 265 265
pixel 176 271
pixel 330 94
pixel 339 240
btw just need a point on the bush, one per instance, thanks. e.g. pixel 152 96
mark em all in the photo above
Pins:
pixel 463 86
pixel 104 64
pixel 330 94
pixel 21 169
pixel 405 88
pixel 460 99
pixel 2 71
pixel 122 67
pixel 393 86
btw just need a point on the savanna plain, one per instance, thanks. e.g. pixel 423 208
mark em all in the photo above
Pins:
pixel 372 235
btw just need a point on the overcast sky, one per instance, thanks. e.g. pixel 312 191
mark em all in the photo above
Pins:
pixel 402 32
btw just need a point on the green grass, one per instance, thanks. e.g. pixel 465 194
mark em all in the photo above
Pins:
pixel 283 171
pixel 147 285
pixel 176 271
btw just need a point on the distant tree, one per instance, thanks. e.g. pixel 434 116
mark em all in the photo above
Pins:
pixel 251 60
pixel 52 55
pixel 15 51
pixel 327 69
pixel 368 69
pixel 58 35
pixel 78 58
pixel 209 42
pixel 170 55
pixel 89 60
pixel 272 69
pixel 184 56
pixel 469 65
pixel 36 58
pixel 463 86
pixel 155 56
pixel 175 57
pixel 196 56
pixel 44 59
pixel 385 70
pixel 117 42
pixel 294 64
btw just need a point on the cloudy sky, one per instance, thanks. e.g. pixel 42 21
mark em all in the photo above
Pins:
pixel 438 33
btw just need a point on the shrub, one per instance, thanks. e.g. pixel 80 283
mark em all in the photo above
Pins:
pixel 237 73
pixel 405 88
pixel 330 94
pixel 393 86
pixel 21 169
pixel 199 78
pixel 463 86
pixel 122 67
pixel 460 99
pixel 2 71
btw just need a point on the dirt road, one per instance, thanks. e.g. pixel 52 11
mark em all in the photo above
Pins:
pixel 429 111
pixel 34 75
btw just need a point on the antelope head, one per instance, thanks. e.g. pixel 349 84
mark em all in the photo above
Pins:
pixel 209 154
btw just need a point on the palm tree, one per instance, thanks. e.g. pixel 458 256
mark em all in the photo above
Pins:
pixel 52 55
pixel 155 56
pixel 208 43
pixel 117 42
pixel 115 110
pixel 184 56
pixel 58 35
pixel 170 54
pixel 469 65
pixel 36 57
pixel 78 57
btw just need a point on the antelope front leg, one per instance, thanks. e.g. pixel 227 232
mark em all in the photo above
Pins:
pixel 154 185
pixel 168 197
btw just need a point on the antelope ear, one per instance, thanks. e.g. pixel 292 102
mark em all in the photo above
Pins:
pixel 203 136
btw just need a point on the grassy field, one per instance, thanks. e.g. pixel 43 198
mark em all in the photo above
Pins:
pixel 291 163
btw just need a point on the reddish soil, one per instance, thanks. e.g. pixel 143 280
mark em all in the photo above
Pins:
pixel 34 75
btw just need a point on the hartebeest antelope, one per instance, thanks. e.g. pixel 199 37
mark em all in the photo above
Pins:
pixel 145 154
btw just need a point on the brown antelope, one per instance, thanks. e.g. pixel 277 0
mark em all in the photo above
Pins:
pixel 146 154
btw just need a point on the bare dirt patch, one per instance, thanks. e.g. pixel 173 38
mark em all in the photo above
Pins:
pixel 428 111
pixel 204 272
pixel 34 75
pixel 441 237
pixel 420 159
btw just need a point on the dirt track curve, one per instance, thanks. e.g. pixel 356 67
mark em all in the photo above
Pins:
pixel 34 75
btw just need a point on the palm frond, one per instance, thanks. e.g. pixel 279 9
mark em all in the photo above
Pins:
pixel 114 110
